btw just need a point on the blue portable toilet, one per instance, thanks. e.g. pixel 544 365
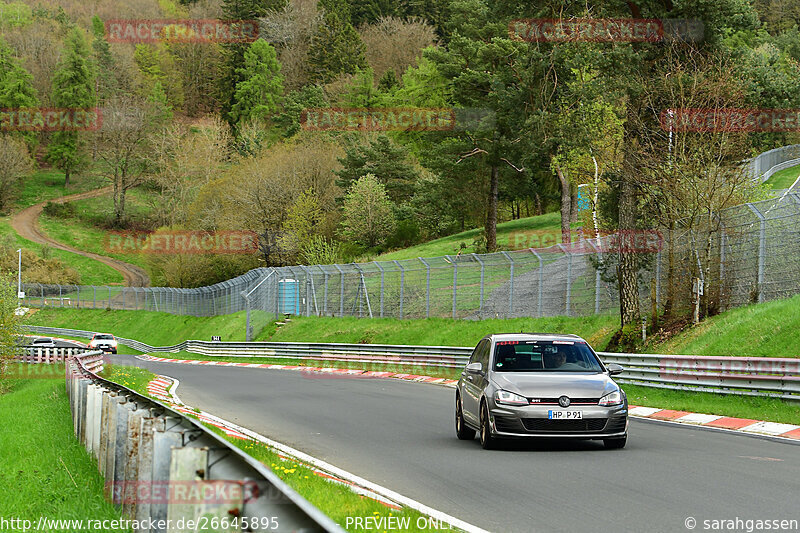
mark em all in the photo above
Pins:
pixel 289 296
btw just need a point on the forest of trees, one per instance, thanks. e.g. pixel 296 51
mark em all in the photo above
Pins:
pixel 216 128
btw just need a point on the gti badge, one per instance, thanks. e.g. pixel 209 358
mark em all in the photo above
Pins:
pixel 563 401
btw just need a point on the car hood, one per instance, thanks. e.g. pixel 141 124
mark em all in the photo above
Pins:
pixel 554 384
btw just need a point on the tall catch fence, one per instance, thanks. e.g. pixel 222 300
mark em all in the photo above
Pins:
pixel 748 253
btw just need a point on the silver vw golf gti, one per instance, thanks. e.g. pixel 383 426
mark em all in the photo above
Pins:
pixel 539 385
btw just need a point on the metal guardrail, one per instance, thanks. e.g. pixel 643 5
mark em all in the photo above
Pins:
pixel 755 376
pixel 156 461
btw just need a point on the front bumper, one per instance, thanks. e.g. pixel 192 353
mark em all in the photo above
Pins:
pixel 532 421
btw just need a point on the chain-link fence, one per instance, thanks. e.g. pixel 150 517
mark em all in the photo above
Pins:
pixel 748 253
pixel 762 167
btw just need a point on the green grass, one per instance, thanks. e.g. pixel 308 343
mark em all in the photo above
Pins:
pixel 44 470
pixel 769 409
pixel 49 184
pixel 538 231
pixel 133 377
pixel 156 329
pixel 784 178
pixel 161 329
pixel 82 235
pixel 438 331
pixel 92 272
pixel 771 329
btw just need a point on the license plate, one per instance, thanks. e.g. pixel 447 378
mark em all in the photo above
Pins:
pixel 565 415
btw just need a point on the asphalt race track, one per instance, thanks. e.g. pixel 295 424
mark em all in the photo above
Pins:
pixel 401 435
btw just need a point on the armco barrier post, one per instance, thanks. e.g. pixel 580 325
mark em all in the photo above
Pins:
pixel 164 439
pixel 121 445
pixel 142 507
pixel 135 416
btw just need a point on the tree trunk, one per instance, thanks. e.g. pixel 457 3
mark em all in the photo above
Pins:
pixel 538 204
pixel 669 302
pixel 491 215
pixel 66 177
pixel 117 210
pixel 566 205
pixel 573 205
pixel 629 289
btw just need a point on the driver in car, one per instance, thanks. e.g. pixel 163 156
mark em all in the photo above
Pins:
pixel 558 361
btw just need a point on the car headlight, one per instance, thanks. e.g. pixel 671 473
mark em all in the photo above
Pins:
pixel 112 343
pixel 613 398
pixel 504 397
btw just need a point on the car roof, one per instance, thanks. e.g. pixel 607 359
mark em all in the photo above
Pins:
pixel 533 336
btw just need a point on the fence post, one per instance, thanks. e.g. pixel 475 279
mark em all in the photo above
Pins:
pixel 427 287
pixel 382 279
pixel 762 248
pixel 510 285
pixel 569 278
pixel 325 296
pixel 402 284
pixel 455 282
pixel 341 290
pixel 597 278
pixel 109 296
pixel 541 279
pixel 78 288
pixel 60 295
pixel 41 292
pixel 478 259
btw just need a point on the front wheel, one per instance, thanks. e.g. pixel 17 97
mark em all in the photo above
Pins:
pixel 488 441
pixel 463 432
pixel 615 444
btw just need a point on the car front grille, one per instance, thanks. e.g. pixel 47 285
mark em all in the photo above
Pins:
pixel 545 425
pixel 554 401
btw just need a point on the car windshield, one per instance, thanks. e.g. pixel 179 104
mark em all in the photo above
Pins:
pixel 43 340
pixel 545 356
pixel 104 337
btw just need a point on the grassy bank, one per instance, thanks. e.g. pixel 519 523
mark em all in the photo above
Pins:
pixel 44 470
pixel 156 329
pixel 783 179
pixel 539 231
pixel 770 329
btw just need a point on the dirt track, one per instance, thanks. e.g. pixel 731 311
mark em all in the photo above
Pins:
pixel 26 224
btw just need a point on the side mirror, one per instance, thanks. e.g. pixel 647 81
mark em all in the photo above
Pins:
pixel 474 368
pixel 614 369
